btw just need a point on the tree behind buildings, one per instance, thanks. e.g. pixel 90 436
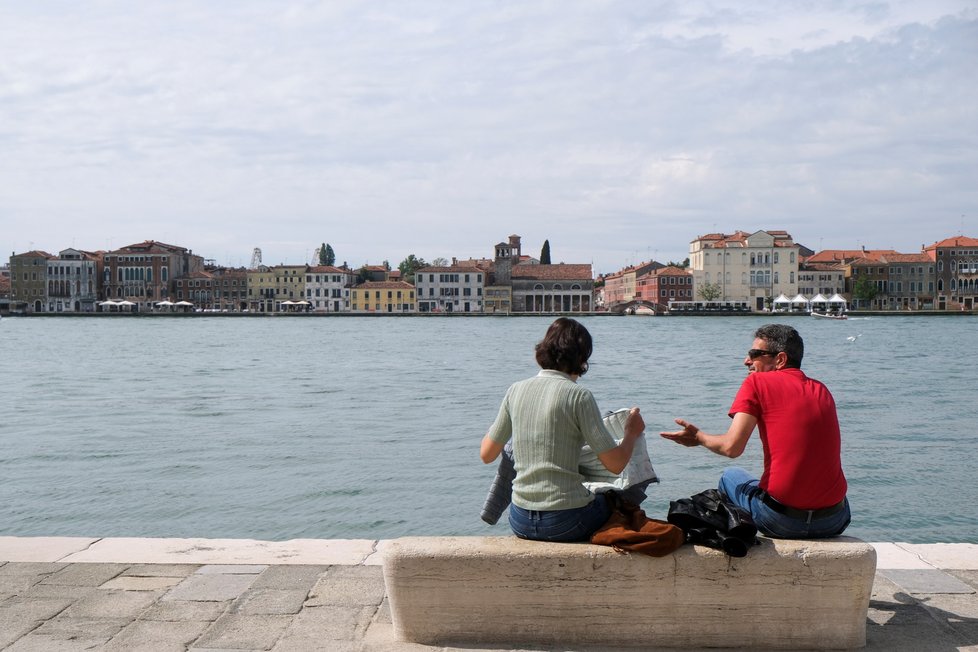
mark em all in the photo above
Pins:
pixel 710 291
pixel 545 253
pixel 865 289
pixel 409 266
pixel 326 255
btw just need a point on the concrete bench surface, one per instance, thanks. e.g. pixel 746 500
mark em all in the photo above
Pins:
pixel 505 591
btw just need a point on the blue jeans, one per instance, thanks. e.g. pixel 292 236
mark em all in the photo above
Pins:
pixel 742 489
pixel 562 524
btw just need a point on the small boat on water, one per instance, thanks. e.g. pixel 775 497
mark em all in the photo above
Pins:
pixel 824 315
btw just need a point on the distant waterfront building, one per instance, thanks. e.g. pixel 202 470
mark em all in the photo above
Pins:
pixel 230 286
pixel 328 288
pixel 383 297
pixel 871 270
pixel 72 280
pixel 197 288
pixel 752 267
pixel 215 288
pixel 956 261
pixel 261 289
pixel 911 281
pixel 498 300
pixel 144 273
pixel 901 281
pixel 665 284
pixel 28 280
pixel 537 288
pixel 290 283
pixel 454 288
pixel 622 286
pixel 277 289
pixel 5 289
pixel 552 288
pixel 827 279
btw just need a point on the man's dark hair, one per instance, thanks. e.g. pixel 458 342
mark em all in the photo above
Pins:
pixel 783 338
pixel 566 347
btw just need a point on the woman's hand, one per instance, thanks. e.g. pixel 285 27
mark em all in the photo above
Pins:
pixel 634 423
pixel 616 459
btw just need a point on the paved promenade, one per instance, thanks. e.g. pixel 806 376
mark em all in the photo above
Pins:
pixel 59 593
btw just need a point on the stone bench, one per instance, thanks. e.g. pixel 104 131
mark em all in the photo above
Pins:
pixel 507 591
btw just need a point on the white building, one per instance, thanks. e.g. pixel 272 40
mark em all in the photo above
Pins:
pixel 754 267
pixel 72 282
pixel 457 288
pixel 328 288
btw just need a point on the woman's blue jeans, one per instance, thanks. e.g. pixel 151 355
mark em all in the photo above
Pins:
pixel 560 525
pixel 742 489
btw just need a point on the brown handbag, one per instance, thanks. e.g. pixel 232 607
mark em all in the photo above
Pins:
pixel 628 529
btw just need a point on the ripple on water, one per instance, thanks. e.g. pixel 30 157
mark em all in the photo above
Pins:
pixel 332 438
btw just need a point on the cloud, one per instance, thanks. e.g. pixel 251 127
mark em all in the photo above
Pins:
pixel 437 128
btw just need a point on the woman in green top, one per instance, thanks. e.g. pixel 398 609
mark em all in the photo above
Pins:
pixel 549 418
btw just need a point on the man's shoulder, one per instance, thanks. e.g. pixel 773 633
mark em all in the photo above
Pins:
pixel 779 377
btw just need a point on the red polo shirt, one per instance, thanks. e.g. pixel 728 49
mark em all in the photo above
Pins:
pixel 799 430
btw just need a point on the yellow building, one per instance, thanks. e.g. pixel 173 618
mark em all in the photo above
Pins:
pixel 382 297
pixel 290 287
pixel 261 289
pixel 271 287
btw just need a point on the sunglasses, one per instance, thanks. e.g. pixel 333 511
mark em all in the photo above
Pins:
pixel 753 354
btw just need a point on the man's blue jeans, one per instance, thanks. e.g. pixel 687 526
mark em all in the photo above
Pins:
pixel 560 525
pixel 742 489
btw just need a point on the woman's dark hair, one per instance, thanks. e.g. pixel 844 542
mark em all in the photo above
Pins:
pixel 566 347
pixel 783 338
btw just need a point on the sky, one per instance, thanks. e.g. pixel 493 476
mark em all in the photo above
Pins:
pixel 617 130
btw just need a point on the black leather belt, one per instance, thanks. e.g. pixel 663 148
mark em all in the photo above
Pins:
pixel 808 515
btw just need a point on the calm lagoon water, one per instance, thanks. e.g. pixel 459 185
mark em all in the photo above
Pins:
pixel 368 427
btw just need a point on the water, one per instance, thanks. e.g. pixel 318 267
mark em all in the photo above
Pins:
pixel 349 427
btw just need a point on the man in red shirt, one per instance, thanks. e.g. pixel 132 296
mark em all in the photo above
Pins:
pixel 802 492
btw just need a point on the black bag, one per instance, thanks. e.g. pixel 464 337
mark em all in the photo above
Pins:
pixel 708 519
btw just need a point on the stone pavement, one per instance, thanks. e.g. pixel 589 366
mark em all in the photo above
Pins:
pixel 67 593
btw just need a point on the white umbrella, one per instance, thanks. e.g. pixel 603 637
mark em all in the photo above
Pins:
pixel 110 302
pixel 126 302
pixel 164 303
pixel 183 303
